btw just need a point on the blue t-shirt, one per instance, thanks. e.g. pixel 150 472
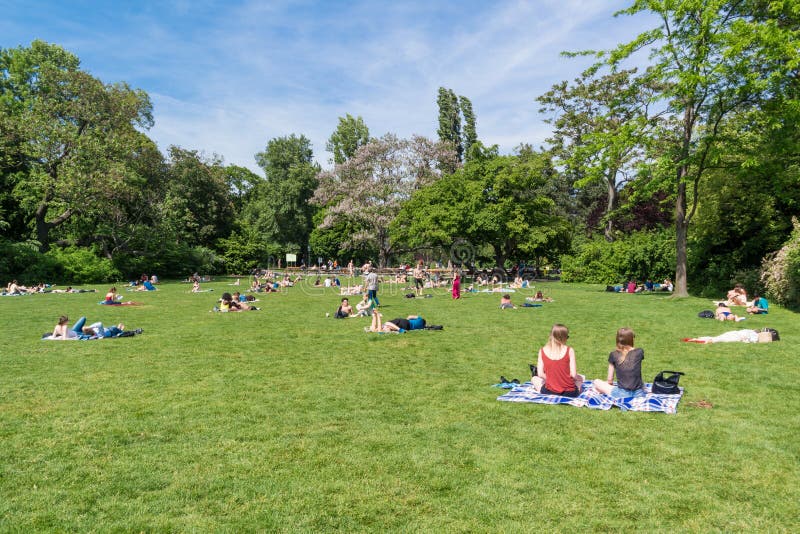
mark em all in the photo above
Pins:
pixel 761 303
pixel 417 324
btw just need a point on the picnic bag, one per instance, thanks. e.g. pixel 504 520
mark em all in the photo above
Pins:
pixel 666 383
pixel 772 332
pixel 706 314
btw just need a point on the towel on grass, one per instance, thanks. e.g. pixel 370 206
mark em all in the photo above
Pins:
pixel 594 399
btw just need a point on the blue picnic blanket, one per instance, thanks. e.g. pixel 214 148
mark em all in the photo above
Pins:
pixel 590 398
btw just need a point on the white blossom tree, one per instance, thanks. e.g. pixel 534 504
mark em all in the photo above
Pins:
pixel 369 189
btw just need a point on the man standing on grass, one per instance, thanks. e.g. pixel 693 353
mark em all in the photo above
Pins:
pixel 371 283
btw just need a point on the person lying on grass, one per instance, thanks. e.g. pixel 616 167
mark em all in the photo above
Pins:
pixel 230 304
pixel 626 363
pixel 724 313
pixel 63 332
pixel 734 336
pixel 505 302
pixel 399 325
pixel 556 372
pixel 345 310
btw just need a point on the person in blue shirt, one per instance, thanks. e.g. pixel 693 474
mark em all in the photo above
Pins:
pixel 759 306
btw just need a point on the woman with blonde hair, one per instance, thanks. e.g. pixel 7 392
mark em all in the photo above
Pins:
pixel 556 372
pixel 626 363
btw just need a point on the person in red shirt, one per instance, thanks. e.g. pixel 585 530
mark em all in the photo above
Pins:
pixel 556 368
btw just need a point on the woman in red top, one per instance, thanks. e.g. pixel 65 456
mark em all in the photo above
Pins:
pixel 556 369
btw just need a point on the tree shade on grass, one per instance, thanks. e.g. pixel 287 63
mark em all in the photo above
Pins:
pixel 283 419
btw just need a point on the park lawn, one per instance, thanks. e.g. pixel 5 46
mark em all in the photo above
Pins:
pixel 285 420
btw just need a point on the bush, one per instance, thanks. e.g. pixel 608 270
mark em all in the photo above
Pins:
pixel 82 266
pixel 780 271
pixel 643 255
pixel 23 262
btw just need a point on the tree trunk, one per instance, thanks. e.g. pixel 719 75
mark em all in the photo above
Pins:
pixel 42 229
pixel 681 289
pixel 612 202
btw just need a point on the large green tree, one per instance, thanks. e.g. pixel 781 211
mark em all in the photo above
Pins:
pixel 504 202
pixel 279 207
pixel 350 134
pixel 709 59
pixel 598 123
pixel 67 136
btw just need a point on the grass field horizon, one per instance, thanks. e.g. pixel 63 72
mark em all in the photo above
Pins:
pixel 284 419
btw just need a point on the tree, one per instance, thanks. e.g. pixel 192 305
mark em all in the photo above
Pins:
pixel 500 201
pixel 71 133
pixel 197 206
pixel 282 211
pixel 350 134
pixel 450 120
pixel 598 129
pixel 470 132
pixel 456 122
pixel 369 189
pixel 709 59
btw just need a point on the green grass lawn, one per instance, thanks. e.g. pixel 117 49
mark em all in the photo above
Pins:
pixel 285 420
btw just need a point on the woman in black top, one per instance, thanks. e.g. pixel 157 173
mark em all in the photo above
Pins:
pixel 626 363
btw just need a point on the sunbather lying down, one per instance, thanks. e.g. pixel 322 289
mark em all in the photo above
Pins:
pixel 742 336
pixel 80 331
pixel 400 325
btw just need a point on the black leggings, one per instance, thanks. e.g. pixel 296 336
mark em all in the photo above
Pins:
pixel 573 393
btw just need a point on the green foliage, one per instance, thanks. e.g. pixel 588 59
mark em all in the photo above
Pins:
pixel 73 134
pixel 279 208
pixel 500 201
pixel 24 262
pixel 242 253
pixel 780 272
pixel 83 266
pixel 641 255
pixel 350 134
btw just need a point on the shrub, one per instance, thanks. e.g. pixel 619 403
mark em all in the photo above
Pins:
pixel 648 254
pixel 780 271
pixel 82 266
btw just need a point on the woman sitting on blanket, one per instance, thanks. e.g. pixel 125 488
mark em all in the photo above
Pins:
pixel 112 299
pixel 556 372
pixel 345 310
pixel 400 325
pixel 626 363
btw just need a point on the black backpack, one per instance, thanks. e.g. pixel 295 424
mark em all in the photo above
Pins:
pixel 706 314
pixel 666 383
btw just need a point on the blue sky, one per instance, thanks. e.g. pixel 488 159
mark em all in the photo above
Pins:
pixel 225 77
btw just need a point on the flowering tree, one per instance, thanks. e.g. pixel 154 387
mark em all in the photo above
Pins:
pixel 369 189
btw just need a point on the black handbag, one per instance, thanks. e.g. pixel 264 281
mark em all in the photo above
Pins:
pixel 666 383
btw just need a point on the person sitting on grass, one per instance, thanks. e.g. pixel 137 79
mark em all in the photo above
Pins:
pixel 344 311
pixel 399 325
pixel 113 299
pixel 556 372
pixel 724 313
pixel 626 363
pixel 737 296
pixel 505 302
pixel 229 304
pixel 759 306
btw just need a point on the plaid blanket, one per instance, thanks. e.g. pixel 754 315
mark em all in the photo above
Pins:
pixel 594 399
